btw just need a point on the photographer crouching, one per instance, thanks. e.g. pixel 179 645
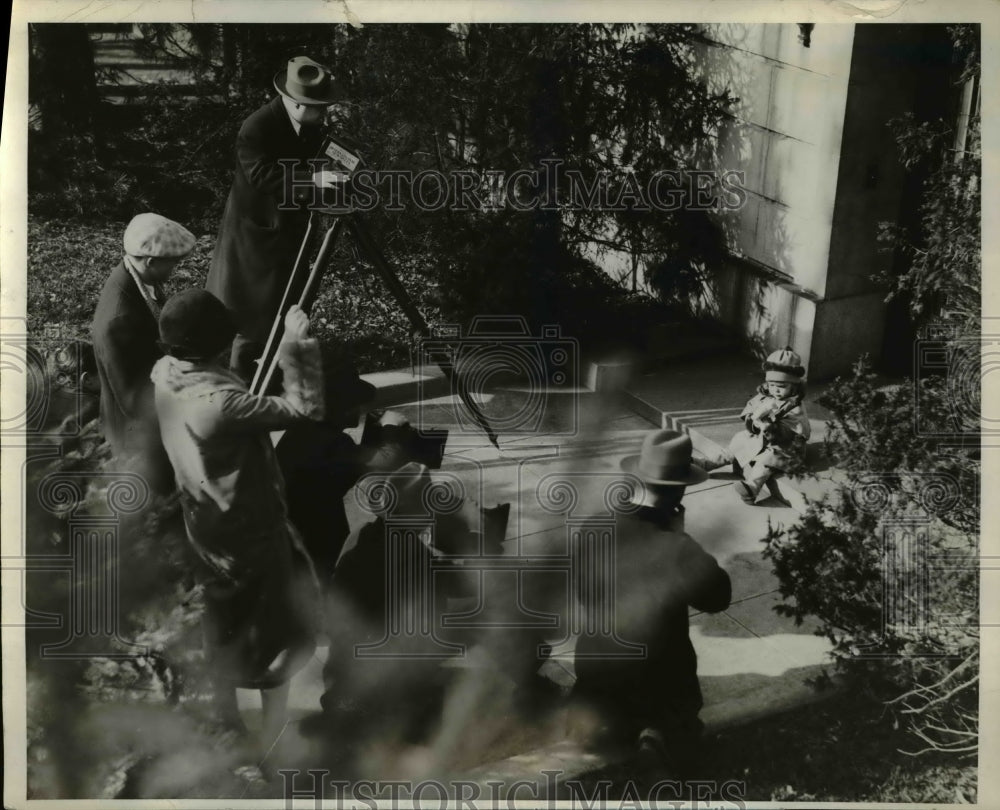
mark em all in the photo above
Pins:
pixel 321 462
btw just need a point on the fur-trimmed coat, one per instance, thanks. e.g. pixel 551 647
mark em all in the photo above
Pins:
pixel 260 586
pixel 788 435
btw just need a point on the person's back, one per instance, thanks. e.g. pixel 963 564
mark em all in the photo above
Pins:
pixel 635 665
pixel 660 573
pixel 222 457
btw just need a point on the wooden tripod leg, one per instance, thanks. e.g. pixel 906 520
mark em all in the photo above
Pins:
pixel 389 278
pixel 306 297
pixel 292 288
pixel 416 319
pixel 311 287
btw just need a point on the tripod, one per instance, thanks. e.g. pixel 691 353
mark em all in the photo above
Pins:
pixel 302 289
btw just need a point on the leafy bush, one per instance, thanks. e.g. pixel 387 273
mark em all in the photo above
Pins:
pixel 888 561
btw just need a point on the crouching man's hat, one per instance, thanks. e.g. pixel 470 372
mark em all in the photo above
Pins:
pixel 194 324
pixel 784 365
pixel 156 236
pixel 665 459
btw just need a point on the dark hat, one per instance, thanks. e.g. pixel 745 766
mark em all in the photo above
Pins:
pixel 195 323
pixel 665 458
pixel 345 389
pixel 307 82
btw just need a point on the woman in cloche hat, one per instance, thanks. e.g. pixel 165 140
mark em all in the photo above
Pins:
pixel 261 592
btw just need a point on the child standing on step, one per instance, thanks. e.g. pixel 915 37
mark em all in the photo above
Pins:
pixel 777 428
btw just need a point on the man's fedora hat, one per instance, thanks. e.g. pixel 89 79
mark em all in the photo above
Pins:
pixel 665 458
pixel 307 82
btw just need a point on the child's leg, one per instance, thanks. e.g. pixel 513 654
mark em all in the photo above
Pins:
pixel 737 446
pixel 758 471
pixel 755 474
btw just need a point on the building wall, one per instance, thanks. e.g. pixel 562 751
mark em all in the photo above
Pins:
pixel 822 171
pixel 786 137
pixel 895 69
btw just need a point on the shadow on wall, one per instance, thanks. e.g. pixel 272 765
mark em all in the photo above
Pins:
pixel 757 301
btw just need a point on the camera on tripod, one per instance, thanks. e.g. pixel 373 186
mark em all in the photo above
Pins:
pixel 338 155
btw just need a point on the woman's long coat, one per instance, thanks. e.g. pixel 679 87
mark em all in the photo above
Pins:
pixel 260 589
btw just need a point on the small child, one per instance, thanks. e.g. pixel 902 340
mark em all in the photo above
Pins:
pixel 777 427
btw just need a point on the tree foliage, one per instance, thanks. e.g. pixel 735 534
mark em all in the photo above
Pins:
pixel 617 100
pixel 943 253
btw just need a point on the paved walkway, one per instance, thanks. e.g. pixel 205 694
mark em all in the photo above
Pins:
pixel 752 661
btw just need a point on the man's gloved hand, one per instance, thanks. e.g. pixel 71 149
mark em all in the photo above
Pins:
pixel 328 179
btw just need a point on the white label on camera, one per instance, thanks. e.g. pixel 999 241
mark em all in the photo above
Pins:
pixel 346 159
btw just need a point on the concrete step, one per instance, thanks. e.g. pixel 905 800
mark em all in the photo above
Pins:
pixel 407 385
pixel 667 346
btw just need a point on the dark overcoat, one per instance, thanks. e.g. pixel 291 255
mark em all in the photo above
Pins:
pixel 125 335
pixel 660 574
pixel 265 217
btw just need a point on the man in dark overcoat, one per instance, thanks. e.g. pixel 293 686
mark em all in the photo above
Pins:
pixel 125 335
pixel 652 699
pixel 267 213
